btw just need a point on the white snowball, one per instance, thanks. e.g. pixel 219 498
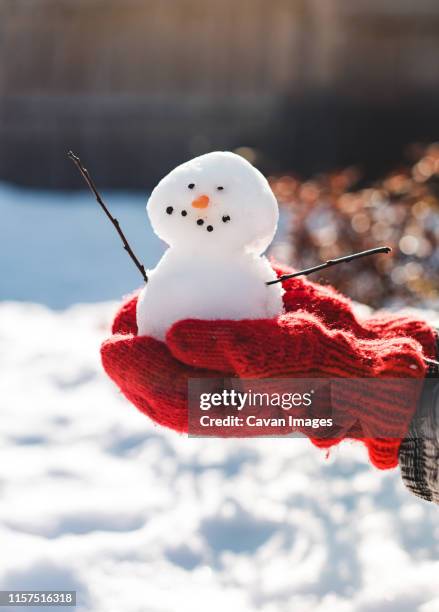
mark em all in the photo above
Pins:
pixel 218 214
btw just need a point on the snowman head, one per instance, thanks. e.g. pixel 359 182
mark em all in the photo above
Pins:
pixel 217 202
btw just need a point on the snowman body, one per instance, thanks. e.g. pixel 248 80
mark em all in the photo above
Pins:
pixel 228 288
pixel 218 215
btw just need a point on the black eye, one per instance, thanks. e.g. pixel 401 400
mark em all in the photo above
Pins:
pixel 191 185
pixel 220 188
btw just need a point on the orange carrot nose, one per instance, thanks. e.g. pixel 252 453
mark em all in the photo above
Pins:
pixel 201 202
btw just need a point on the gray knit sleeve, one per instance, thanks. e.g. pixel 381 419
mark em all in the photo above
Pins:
pixel 419 451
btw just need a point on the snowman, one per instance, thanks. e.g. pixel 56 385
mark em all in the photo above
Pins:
pixel 218 215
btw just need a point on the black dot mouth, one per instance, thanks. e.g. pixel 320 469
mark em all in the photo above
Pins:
pixel 200 222
pixel 184 213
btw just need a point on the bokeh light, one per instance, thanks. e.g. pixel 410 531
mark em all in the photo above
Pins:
pixel 332 215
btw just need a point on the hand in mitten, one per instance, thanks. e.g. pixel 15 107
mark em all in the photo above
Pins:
pixel 298 344
pixel 151 377
pixel 146 372
pixel 336 311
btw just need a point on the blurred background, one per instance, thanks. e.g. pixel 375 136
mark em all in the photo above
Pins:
pixel 140 85
pixel 336 101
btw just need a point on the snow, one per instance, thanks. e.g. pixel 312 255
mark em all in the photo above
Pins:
pixel 137 518
pixel 218 214
pixel 187 287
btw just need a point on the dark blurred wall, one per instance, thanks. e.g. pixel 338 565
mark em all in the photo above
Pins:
pixel 137 86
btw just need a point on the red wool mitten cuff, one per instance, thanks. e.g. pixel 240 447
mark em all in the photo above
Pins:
pixel 319 336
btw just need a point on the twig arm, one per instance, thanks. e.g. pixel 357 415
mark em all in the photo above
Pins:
pixel 86 175
pixel 330 263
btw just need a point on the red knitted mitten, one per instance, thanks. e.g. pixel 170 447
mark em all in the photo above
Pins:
pixel 319 336
pixel 336 311
pixel 146 372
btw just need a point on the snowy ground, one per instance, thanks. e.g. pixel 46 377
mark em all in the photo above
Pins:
pixel 138 519
pixel 93 497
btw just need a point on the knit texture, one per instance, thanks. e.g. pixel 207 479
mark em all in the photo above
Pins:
pixel 419 451
pixel 318 336
pixel 419 462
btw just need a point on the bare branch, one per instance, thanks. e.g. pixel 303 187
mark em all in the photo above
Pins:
pixel 330 263
pixel 86 175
